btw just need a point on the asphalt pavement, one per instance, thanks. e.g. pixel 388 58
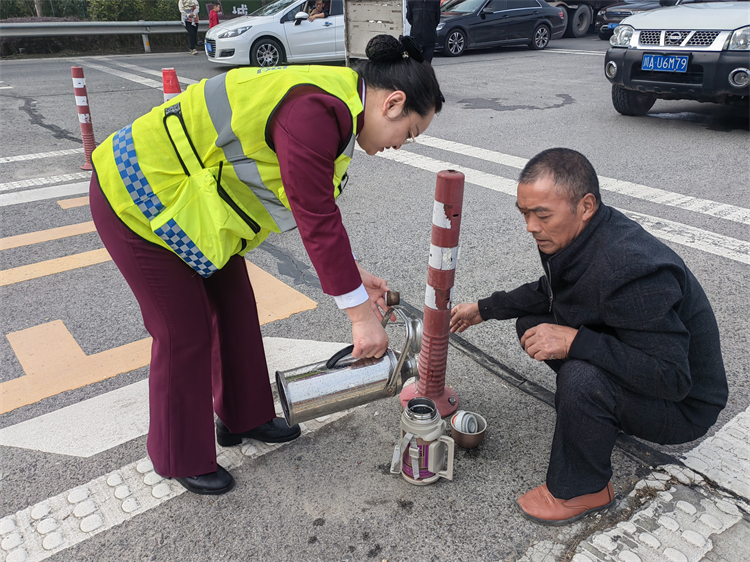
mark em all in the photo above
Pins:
pixel 76 483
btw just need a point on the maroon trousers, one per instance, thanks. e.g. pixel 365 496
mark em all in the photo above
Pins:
pixel 207 354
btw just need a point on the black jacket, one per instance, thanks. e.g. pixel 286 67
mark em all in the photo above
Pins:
pixel 424 17
pixel 641 314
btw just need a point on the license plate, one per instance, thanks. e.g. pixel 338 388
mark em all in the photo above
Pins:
pixel 209 48
pixel 612 25
pixel 663 63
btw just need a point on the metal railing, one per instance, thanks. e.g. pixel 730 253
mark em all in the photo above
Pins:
pixel 59 29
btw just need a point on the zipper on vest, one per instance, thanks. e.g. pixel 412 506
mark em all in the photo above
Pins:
pixel 229 201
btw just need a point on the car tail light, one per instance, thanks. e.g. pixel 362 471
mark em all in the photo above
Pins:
pixel 561 14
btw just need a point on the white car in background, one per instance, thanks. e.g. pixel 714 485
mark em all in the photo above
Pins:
pixel 279 33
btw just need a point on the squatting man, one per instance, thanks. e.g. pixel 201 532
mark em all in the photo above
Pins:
pixel 623 323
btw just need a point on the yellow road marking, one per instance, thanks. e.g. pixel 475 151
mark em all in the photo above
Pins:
pixel 50 267
pixel 46 235
pixel 77 202
pixel 53 362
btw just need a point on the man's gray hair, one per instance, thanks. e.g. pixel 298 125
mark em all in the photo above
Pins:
pixel 571 172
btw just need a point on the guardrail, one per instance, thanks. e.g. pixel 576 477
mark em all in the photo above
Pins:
pixel 59 29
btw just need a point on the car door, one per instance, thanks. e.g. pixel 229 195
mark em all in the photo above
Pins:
pixel 491 24
pixel 337 16
pixel 522 18
pixel 309 40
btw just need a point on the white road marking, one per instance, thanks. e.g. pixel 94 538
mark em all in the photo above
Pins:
pixel 152 72
pixel 574 52
pixel 22 157
pixel 6 87
pixel 44 181
pixel 113 418
pixel 126 75
pixel 651 194
pixel 43 193
pixel 709 242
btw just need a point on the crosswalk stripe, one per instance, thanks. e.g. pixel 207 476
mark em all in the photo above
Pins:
pixel 54 154
pixel 703 240
pixel 44 180
pixel 144 70
pixel 18 197
pixel 651 194
pixel 86 64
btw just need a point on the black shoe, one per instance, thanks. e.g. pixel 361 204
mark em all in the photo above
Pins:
pixel 274 431
pixel 211 484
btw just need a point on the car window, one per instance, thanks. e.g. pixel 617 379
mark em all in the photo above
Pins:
pixel 462 6
pixel 289 16
pixel 337 7
pixel 497 5
pixel 273 9
pixel 515 4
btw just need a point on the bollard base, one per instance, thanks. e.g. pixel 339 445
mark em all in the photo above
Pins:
pixel 446 403
pixel 87 166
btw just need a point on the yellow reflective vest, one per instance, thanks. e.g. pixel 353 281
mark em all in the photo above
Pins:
pixel 197 176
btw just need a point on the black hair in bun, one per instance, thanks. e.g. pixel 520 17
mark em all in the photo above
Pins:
pixel 398 64
pixel 386 48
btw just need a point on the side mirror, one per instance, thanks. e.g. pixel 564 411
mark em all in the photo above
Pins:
pixel 488 10
pixel 299 16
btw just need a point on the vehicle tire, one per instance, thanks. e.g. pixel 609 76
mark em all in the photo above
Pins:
pixel 630 102
pixel 455 43
pixel 540 39
pixel 604 36
pixel 266 52
pixel 579 21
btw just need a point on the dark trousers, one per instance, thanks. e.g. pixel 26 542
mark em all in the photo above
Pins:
pixel 192 31
pixel 591 409
pixel 428 52
pixel 207 351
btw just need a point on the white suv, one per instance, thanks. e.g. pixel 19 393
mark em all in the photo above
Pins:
pixel 698 51
pixel 279 33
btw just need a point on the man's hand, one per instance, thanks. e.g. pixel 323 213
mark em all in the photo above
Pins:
pixel 548 341
pixel 368 335
pixel 464 315
pixel 376 288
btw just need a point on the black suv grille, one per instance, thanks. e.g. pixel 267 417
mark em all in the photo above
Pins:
pixel 212 52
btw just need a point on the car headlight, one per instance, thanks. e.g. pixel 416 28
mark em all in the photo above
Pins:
pixel 601 12
pixel 740 40
pixel 234 32
pixel 440 26
pixel 621 36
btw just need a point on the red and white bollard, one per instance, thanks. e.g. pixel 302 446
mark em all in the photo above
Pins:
pixel 171 84
pixel 444 249
pixel 84 114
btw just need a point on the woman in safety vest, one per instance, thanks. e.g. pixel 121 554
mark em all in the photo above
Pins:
pixel 182 193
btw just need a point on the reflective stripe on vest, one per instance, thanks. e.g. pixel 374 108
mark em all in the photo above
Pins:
pixel 131 174
pixel 217 103
pixel 184 247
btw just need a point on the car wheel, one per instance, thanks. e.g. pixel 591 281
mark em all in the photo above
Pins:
pixel 455 43
pixel 579 22
pixel 540 39
pixel 604 35
pixel 630 102
pixel 266 52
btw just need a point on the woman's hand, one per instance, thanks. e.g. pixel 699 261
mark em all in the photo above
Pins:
pixel 376 288
pixel 368 335
pixel 464 315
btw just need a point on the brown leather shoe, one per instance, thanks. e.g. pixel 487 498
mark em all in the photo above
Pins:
pixel 541 506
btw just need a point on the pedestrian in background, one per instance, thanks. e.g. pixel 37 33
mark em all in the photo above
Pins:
pixel 213 16
pixel 424 17
pixel 189 13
